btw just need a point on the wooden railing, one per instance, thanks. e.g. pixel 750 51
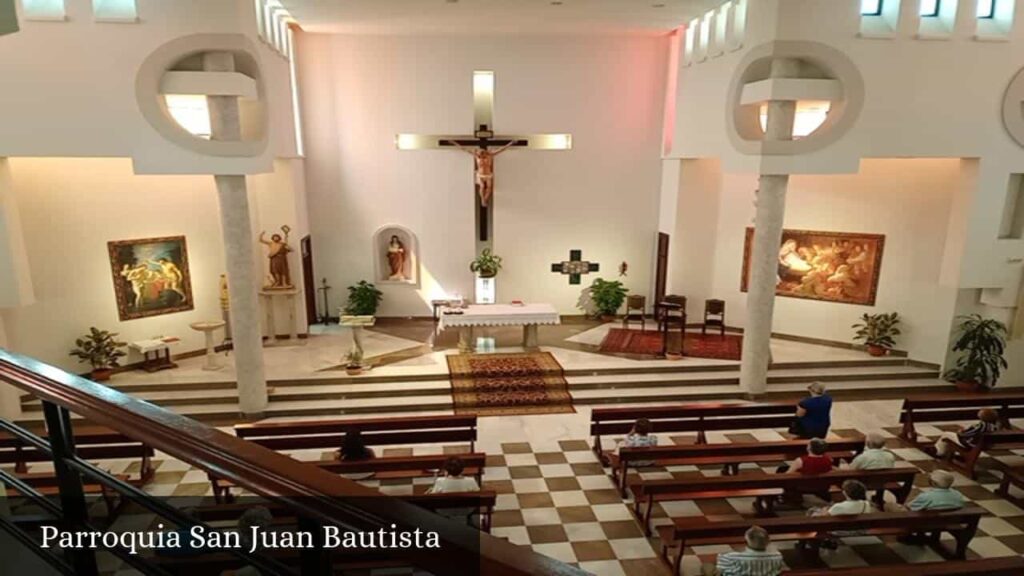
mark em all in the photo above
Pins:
pixel 316 496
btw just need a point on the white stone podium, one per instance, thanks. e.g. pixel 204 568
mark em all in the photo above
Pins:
pixel 208 328
pixel 270 298
pixel 357 323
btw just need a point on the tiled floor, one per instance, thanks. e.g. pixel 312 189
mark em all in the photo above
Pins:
pixel 555 497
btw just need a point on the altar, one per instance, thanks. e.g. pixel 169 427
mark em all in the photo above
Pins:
pixel 529 316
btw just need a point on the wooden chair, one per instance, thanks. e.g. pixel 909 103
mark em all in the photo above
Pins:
pixel 672 313
pixel 635 302
pixel 714 315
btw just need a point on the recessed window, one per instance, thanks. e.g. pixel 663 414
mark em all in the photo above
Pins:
pixel 930 8
pixel 871 7
pixel 43 9
pixel 191 112
pixel 114 10
pixel 986 9
pixel 810 115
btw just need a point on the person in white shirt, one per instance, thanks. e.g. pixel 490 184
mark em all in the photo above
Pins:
pixel 756 560
pixel 855 503
pixel 875 456
pixel 451 482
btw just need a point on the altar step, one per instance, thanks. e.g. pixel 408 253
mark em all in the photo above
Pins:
pixel 367 395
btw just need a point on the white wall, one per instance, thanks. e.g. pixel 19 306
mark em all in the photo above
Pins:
pixel 601 197
pixel 907 200
pixel 70 209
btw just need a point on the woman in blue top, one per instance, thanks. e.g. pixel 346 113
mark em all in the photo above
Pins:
pixel 813 414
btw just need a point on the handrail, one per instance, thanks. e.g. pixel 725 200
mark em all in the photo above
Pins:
pixel 310 491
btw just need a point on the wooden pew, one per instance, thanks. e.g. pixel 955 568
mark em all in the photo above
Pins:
pixel 328 434
pixel 1006 566
pixel 966 459
pixel 377 469
pixel 932 408
pixel 730 456
pixel 764 488
pixel 1011 476
pixel 699 418
pixel 344 561
pixel 961 524
pixel 483 502
pixel 92 443
pixel 46 484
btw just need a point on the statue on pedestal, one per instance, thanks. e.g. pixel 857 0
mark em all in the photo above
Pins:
pixel 278 250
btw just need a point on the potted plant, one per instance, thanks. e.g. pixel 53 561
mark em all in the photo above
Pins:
pixel 878 332
pixel 363 299
pixel 101 350
pixel 354 362
pixel 486 265
pixel 981 344
pixel 607 297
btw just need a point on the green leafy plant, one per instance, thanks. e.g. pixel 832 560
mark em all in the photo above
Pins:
pixel 607 296
pixel 363 299
pixel 486 265
pixel 99 348
pixel 879 330
pixel 981 344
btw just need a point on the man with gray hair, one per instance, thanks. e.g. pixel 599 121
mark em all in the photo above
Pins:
pixel 942 495
pixel 874 456
pixel 756 560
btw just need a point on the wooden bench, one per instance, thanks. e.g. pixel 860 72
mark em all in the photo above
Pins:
pixel 343 560
pixel 698 418
pixel 483 502
pixel 391 467
pixel 729 456
pixel 46 484
pixel 1005 566
pixel 328 434
pixel 961 524
pixel 1012 476
pixel 966 459
pixel 92 443
pixel 947 408
pixel 765 488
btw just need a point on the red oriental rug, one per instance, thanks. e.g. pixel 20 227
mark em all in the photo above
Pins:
pixel 696 345
pixel 508 384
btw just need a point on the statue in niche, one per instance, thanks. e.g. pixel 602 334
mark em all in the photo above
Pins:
pixel 396 259
pixel 277 251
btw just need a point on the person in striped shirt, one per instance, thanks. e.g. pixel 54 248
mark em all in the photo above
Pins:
pixel 988 421
pixel 756 560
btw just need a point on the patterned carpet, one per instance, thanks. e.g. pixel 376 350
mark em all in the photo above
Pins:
pixel 695 345
pixel 508 384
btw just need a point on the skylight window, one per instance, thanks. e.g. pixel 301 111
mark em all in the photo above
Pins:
pixel 986 9
pixel 871 7
pixel 930 8
pixel 43 9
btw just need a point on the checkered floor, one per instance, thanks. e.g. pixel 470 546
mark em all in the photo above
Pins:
pixel 563 504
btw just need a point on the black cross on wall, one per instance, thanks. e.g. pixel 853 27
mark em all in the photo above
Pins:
pixel 575 267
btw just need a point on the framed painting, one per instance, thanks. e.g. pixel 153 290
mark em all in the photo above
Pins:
pixel 151 276
pixel 830 266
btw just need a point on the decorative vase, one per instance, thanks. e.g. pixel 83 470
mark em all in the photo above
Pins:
pixel 876 350
pixel 101 374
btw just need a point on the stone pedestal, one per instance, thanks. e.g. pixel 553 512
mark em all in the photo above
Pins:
pixel 270 299
pixel 356 324
pixel 208 328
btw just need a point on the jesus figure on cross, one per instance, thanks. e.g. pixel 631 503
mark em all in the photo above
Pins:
pixel 484 160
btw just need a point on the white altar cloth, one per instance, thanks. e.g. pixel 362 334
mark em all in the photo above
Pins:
pixel 501 315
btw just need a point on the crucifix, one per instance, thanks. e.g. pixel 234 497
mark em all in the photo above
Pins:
pixel 479 145
pixel 575 267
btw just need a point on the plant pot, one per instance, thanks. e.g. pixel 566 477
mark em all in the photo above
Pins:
pixel 607 317
pixel 101 374
pixel 968 386
pixel 486 274
pixel 353 370
pixel 876 350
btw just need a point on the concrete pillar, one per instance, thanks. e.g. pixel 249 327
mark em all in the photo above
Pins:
pixel 236 226
pixel 764 260
pixel 10 397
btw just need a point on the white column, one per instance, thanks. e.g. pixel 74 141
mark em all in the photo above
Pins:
pixel 10 397
pixel 236 226
pixel 764 261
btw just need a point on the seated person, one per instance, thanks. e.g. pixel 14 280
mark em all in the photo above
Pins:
pixel 942 495
pixel 855 502
pixel 988 421
pixel 353 449
pixel 454 481
pixel 256 517
pixel 816 461
pixel 814 413
pixel 874 456
pixel 756 560
pixel 640 437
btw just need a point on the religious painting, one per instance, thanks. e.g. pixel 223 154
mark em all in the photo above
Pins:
pixel 151 276
pixel 830 266
pixel 396 255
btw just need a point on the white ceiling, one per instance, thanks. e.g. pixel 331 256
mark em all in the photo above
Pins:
pixel 492 17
